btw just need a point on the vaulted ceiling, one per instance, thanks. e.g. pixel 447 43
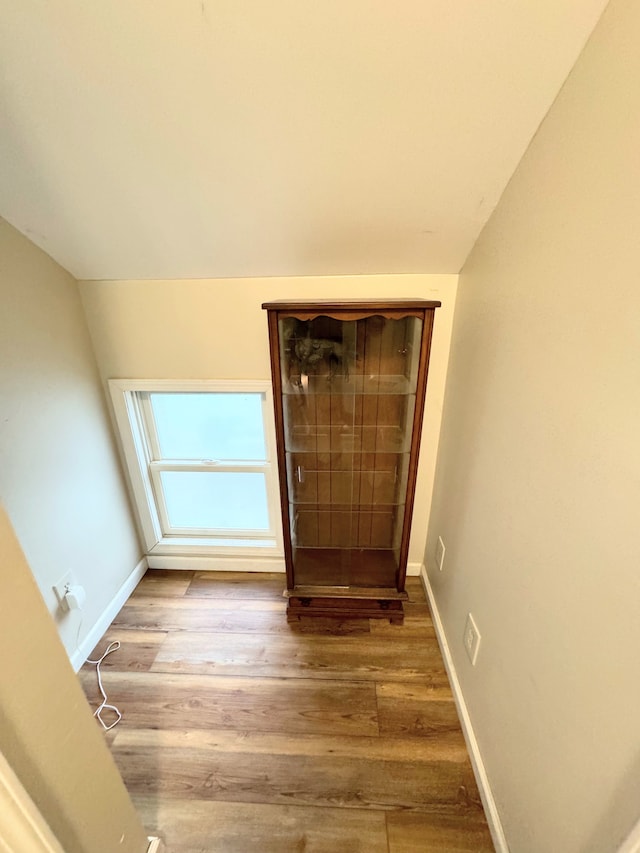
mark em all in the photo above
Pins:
pixel 218 138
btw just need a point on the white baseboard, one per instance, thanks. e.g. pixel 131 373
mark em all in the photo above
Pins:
pixel 113 608
pixel 413 570
pixel 216 564
pixel 482 780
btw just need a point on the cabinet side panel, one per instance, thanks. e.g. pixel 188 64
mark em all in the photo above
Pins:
pixel 421 387
pixel 276 377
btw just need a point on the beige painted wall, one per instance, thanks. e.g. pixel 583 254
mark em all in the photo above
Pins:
pixel 60 478
pixel 538 485
pixel 47 733
pixel 216 329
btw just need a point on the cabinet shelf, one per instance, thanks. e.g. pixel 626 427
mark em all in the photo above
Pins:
pixel 331 526
pixel 365 438
pixel 339 505
pixel 349 385
pixel 351 480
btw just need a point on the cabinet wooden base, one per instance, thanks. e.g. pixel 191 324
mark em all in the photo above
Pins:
pixel 344 608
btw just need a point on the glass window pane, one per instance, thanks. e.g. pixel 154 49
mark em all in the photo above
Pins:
pixel 210 426
pixel 219 500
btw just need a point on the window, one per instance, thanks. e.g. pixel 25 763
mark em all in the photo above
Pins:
pixel 201 463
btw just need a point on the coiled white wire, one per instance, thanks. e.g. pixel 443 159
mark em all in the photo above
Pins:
pixel 105 706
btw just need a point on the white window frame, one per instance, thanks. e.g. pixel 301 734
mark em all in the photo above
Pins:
pixel 132 414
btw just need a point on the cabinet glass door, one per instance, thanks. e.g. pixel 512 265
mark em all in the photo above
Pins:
pixel 349 395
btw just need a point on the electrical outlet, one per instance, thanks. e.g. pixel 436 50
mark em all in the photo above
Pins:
pixel 472 639
pixel 60 589
pixel 440 549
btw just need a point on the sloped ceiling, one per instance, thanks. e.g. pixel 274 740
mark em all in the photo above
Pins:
pixel 219 138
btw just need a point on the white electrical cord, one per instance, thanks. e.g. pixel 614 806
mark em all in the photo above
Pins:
pixel 112 647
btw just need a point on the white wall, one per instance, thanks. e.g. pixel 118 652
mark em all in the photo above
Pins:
pixel 538 483
pixel 47 732
pixel 216 329
pixel 60 478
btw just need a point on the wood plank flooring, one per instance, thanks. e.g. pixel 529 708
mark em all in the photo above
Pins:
pixel 244 733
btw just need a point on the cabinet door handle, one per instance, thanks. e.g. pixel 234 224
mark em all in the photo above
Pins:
pixel 300 474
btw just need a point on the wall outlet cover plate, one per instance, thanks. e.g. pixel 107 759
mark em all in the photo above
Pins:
pixel 472 639
pixel 60 589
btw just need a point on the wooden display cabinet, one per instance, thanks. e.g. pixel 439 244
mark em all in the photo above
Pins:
pixel 349 382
